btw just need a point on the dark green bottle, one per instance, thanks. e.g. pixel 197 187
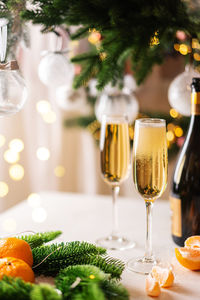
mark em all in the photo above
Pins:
pixel 185 191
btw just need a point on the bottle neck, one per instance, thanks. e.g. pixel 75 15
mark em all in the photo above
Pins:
pixel 195 104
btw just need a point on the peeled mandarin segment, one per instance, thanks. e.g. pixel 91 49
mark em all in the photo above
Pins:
pixel 15 267
pixel 152 286
pixel 188 257
pixel 14 247
pixel 164 276
pixel 193 242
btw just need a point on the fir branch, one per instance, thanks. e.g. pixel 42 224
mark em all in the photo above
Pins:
pixel 40 238
pixel 80 121
pixel 89 281
pixel 85 56
pixel 87 73
pixel 81 280
pixel 80 33
pixel 62 255
pixel 44 292
pixel 14 288
pixel 73 253
pixel 114 290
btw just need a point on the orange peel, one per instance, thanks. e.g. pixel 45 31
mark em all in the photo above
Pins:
pixel 188 257
pixel 193 242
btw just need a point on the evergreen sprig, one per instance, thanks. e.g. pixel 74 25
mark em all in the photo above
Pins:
pixel 40 238
pixel 59 256
pixel 127 28
pixel 15 288
pixel 89 282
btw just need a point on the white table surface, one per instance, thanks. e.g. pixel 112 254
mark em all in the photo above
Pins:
pixel 88 217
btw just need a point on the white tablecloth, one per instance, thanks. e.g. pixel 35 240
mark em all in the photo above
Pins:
pixel 88 217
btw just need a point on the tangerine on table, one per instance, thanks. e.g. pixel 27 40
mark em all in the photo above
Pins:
pixel 15 267
pixel 14 247
pixel 164 276
pixel 188 257
pixel 152 286
pixel 193 242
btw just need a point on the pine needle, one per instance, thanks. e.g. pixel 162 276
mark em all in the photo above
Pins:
pixel 45 292
pixel 74 253
pixel 14 288
pixel 89 282
pixel 40 238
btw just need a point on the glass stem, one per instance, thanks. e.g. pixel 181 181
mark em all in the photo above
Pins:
pixel 148 246
pixel 115 225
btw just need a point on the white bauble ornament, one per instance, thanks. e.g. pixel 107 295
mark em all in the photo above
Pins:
pixel 179 91
pixel 56 70
pixel 13 92
pixel 72 100
pixel 117 104
pixel 130 84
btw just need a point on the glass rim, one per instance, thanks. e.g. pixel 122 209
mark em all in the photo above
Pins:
pixel 151 121
pixel 114 117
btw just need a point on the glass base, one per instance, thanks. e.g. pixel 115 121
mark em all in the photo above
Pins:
pixel 141 265
pixel 114 242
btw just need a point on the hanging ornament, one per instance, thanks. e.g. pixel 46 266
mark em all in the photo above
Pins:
pixel 179 91
pixel 13 92
pixel 113 101
pixel 72 100
pixel 55 68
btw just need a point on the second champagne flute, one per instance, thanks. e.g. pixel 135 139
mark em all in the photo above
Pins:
pixel 150 178
pixel 115 165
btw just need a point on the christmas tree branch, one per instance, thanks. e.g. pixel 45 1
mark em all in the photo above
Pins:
pixel 40 238
pixel 62 255
pixel 89 281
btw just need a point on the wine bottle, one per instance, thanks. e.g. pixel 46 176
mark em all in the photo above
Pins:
pixel 185 191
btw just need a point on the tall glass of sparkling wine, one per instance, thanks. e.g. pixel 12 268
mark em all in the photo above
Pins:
pixel 115 165
pixel 150 178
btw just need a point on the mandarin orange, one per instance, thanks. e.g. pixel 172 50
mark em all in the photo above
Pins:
pixel 188 257
pixel 16 267
pixel 193 242
pixel 164 276
pixel 14 247
pixel 152 286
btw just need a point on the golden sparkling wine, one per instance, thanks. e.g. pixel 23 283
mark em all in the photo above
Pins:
pixel 115 152
pixel 150 161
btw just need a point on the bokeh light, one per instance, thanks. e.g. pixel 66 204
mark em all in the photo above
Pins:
pixel 2 140
pixel 176 47
pixel 50 117
pixel 3 189
pixel 39 215
pixel 16 172
pixel 183 49
pixel 170 136
pixel 11 156
pixel 59 171
pixel 34 200
pixel 43 153
pixel 196 56
pixel 9 225
pixel 173 113
pixel 178 131
pixel 43 107
pixel 170 126
pixel 16 145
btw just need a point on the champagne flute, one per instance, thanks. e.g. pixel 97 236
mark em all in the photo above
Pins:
pixel 115 165
pixel 150 178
